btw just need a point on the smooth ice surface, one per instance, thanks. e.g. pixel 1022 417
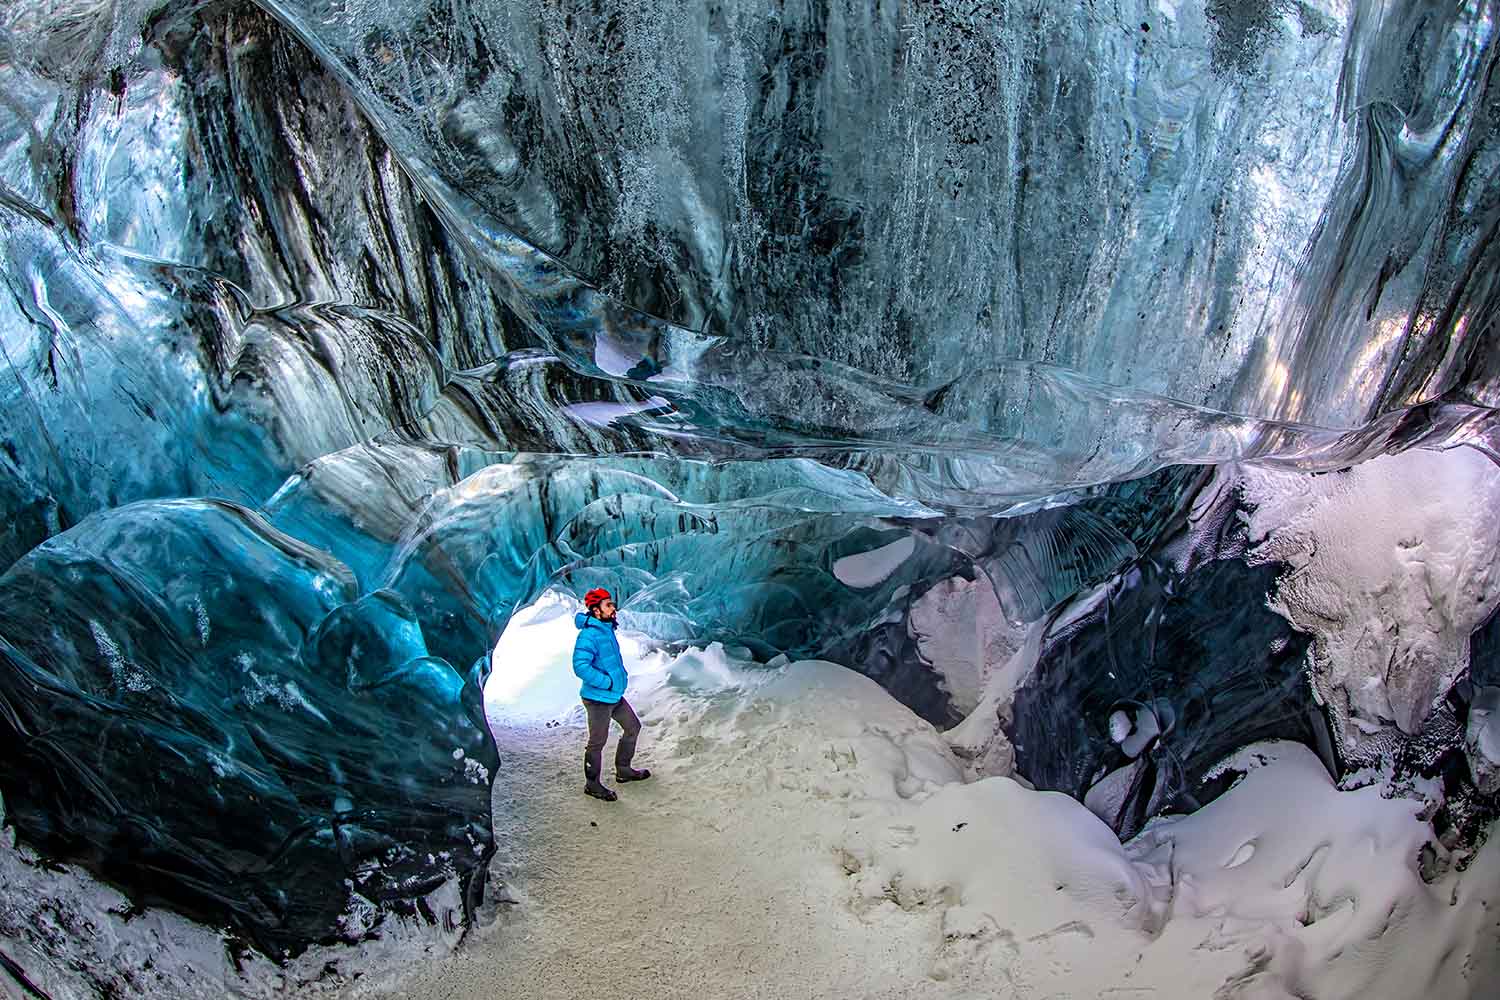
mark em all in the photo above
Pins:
pixel 207 711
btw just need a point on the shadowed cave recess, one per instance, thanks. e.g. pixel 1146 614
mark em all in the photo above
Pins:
pixel 1035 359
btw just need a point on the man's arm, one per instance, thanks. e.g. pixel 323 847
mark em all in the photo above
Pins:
pixel 584 656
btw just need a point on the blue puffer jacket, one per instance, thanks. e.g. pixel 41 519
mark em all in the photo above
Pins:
pixel 597 660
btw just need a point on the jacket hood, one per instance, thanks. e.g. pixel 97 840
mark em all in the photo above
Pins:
pixel 581 620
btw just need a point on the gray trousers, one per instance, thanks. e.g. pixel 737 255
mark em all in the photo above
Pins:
pixel 600 712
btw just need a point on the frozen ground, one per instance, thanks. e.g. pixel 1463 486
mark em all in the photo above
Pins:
pixel 805 835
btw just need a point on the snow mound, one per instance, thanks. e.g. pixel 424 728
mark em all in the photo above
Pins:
pixel 1392 568
pixel 1285 886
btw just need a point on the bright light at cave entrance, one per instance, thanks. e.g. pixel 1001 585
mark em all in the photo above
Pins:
pixel 532 672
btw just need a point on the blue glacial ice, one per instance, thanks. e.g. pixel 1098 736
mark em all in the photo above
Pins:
pixel 336 333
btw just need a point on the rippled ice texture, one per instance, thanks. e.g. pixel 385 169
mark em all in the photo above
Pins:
pixel 335 332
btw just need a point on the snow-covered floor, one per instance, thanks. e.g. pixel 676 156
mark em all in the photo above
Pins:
pixel 807 836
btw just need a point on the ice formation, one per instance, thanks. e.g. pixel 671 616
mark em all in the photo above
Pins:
pixel 1111 386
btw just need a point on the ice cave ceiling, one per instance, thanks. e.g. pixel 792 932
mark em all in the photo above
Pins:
pixel 336 331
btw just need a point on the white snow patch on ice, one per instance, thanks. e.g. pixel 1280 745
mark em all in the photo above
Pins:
pixel 200 616
pixel 979 739
pixel 126 675
pixel 287 695
pixel 960 628
pixel 867 569
pixel 1482 739
pixel 1393 564
pixel 606 414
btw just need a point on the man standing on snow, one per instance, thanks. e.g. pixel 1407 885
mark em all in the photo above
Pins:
pixel 597 662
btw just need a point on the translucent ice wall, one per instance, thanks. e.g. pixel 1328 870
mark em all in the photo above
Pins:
pixel 335 331
pixel 1267 207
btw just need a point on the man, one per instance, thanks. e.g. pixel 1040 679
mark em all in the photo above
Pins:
pixel 597 662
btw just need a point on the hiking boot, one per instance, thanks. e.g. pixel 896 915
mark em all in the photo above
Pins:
pixel 631 774
pixel 599 790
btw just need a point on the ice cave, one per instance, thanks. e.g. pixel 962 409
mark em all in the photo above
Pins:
pixel 1044 453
